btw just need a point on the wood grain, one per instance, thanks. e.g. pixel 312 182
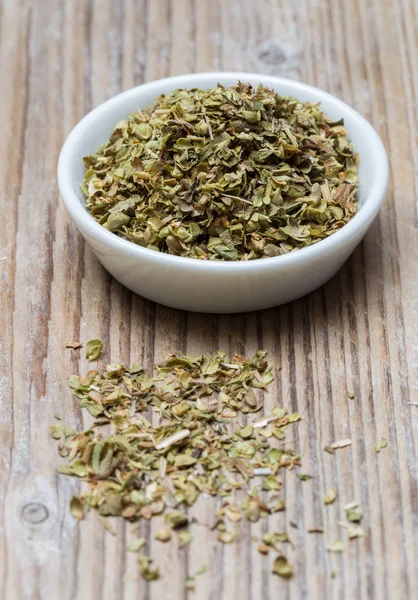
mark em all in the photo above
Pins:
pixel 59 59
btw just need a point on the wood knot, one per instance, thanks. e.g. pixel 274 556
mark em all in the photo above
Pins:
pixel 34 513
pixel 284 56
pixel 271 53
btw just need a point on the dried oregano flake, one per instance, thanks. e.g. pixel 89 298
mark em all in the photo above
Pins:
pixel 354 515
pixel 164 534
pixel 282 567
pixel 382 443
pixel 337 546
pixel 74 345
pixel 136 544
pixel 148 572
pixel 94 349
pixel 338 444
pixel 330 496
pixel 76 508
pixel 226 174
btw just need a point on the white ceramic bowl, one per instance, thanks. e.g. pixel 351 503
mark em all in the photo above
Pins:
pixel 210 286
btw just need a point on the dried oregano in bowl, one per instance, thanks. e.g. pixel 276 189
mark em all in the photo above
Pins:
pixel 227 174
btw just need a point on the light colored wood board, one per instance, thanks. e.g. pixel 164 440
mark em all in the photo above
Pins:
pixel 356 334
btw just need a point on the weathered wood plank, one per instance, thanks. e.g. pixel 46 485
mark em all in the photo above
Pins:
pixel 357 334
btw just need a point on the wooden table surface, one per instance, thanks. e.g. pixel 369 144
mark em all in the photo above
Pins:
pixel 59 59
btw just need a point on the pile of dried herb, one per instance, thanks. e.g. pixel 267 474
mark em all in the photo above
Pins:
pixel 159 441
pixel 226 174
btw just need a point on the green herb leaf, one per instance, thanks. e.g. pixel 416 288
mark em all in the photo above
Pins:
pixel 163 535
pixel 282 567
pixel 382 443
pixel 185 537
pixel 354 515
pixel 337 546
pixel 93 349
pixel 330 496
pixel 148 572
pixel 59 431
pixel 226 537
pixel 304 476
pixel 76 508
pixel 136 545
pixel 355 532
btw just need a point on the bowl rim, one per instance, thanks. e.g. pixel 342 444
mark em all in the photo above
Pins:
pixel 93 229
